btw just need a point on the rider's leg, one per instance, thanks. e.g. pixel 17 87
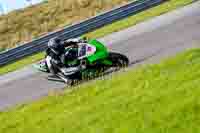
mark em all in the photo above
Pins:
pixel 50 65
pixel 69 70
pixel 53 65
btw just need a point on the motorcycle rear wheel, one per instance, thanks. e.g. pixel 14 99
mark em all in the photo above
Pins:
pixel 118 60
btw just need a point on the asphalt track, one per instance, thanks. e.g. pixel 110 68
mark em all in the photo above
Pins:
pixel 147 42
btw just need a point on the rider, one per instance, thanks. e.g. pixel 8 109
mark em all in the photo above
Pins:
pixel 56 50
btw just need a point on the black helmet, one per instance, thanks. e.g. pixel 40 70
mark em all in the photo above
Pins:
pixel 54 44
pixel 57 40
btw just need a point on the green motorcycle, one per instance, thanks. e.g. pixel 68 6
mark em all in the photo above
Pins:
pixel 94 59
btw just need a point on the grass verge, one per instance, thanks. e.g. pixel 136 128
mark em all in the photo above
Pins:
pixel 130 21
pixel 21 63
pixel 157 98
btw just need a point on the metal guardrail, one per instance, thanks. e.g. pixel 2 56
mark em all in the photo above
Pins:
pixel 76 30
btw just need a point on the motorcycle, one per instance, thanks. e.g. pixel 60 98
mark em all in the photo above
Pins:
pixel 94 59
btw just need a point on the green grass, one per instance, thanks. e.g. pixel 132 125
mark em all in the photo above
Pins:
pixel 21 63
pixel 153 99
pixel 130 21
pixel 2 49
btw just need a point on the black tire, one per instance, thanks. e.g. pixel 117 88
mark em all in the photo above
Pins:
pixel 74 79
pixel 119 60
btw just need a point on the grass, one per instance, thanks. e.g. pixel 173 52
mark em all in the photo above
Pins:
pixel 21 63
pixel 152 99
pixel 119 25
pixel 24 25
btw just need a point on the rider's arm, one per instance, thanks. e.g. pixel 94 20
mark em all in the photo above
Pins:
pixel 70 43
pixel 74 41
pixel 48 50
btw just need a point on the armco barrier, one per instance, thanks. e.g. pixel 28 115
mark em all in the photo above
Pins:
pixel 76 30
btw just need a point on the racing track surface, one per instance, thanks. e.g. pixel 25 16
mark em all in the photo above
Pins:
pixel 147 42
